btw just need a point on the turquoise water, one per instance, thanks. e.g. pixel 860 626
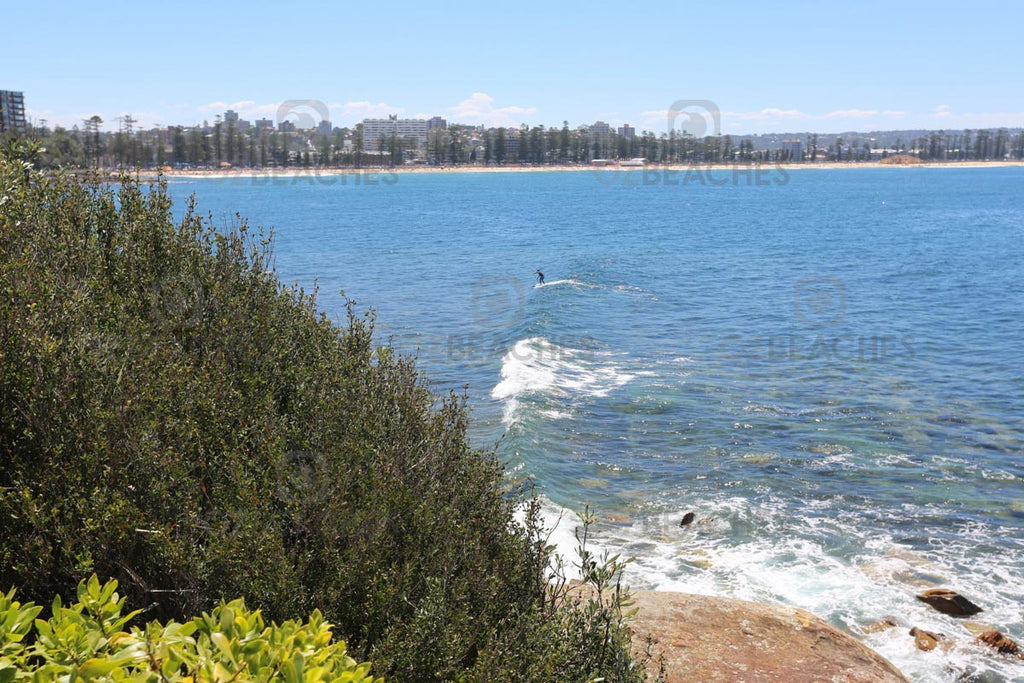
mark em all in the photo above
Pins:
pixel 825 366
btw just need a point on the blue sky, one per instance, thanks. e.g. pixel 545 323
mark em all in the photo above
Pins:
pixel 767 67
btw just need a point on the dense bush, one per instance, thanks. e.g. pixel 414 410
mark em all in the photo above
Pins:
pixel 173 417
pixel 88 640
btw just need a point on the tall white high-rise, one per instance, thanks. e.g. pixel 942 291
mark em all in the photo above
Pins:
pixel 12 111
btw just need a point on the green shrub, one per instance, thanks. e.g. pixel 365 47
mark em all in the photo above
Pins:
pixel 87 640
pixel 173 417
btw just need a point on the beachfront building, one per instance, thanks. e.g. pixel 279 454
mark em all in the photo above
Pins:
pixel 263 126
pixel 600 139
pixel 417 131
pixel 792 150
pixel 627 131
pixel 231 120
pixel 512 142
pixel 377 130
pixel 12 112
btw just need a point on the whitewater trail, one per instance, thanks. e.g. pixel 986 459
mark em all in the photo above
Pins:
pixel 539 367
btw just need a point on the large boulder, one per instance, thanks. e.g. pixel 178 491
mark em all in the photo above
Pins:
pixel 949 602
pixel 706 638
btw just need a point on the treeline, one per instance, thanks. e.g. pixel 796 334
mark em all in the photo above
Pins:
pixel 173 417
pixel 225 145
pixel 966 145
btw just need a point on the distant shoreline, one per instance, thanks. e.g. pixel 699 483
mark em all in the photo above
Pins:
pixel 292 172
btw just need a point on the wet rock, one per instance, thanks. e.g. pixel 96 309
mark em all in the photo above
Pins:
pixel 1001 643
pixel 883 624
pixel 700 563
pixel 687 519
pixel 928 641
pixel 949 602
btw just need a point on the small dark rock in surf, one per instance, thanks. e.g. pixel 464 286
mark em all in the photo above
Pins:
pixel 1001 643
pixel 688 519
pixel 927 641
pixel 949 602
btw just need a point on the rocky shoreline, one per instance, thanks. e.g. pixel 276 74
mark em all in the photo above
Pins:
pixel 706 638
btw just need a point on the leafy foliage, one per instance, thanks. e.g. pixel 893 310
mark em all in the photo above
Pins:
pixel 173 417
pixel 87 640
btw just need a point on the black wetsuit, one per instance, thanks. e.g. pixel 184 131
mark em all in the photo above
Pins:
pixel 540 278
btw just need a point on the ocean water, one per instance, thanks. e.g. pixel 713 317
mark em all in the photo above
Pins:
pixel 825 366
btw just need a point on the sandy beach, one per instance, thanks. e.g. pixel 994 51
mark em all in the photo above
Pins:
pixel 292 172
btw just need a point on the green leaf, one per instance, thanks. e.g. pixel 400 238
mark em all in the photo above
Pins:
pixel 97 667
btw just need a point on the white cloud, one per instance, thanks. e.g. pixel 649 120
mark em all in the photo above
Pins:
pixel 942 111
pixel 479 108
pixel 768 115
pixel 852 114
pixel 654 116
pixel 354 112
pixel 774 119
pixel 781 114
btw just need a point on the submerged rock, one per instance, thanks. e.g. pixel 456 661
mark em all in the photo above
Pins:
pixel 949 602
pixel 883 624
pixel 976 628
pixel 618 518
pixel 970 674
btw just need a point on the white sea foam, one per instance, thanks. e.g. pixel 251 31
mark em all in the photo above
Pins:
pixel 538 367
pixel 766 552
pixel 570 281
pixel 638 292
pixel 556 414
pixel 561 525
